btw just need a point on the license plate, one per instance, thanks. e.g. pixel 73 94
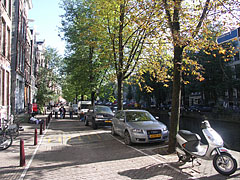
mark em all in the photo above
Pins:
pixel 155 135
pixel 108 121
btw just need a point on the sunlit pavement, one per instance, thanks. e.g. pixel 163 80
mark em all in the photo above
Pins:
pixel 69 150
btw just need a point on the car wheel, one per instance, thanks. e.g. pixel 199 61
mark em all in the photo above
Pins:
pixel 94 126
pixel 127 138
pixel 113 131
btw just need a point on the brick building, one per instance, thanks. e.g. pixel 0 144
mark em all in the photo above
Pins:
pixel 21 55
pixel 5 57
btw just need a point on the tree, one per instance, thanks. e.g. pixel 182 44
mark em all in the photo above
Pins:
pixel 218 75
pixel 183 26
pixel 48 77
pixel 87 63
pixel 127 26
pixel 148 36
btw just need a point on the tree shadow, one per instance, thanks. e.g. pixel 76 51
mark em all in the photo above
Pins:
pixel 148 172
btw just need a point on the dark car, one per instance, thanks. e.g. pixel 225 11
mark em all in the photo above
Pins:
pixel 99 116
pixel 199 108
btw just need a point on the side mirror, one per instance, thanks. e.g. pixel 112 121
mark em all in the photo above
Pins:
pixel 157 118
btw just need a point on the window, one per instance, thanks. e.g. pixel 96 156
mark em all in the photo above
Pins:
pixel 0 87
pixel 23 59
pixel 3 90
pixel 10 8
pixel 5 3
pixel 237 71
pixel 18 55
pixel 3 42
pixel 8 88
pixel 8 44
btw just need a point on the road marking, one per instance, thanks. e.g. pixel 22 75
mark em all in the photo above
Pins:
pixel 89 137
pixel 150 156
pixel 98 136
pixel 49 140
pixel 144 149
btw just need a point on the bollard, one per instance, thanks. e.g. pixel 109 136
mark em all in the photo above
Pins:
pixel 41 128
pixel 22 153
pixel 35 137
pixel 44 125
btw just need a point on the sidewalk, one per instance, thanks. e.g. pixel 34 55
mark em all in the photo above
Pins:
pixel 10 158
pixel 64 155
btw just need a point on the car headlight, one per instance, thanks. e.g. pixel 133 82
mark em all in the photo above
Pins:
pixel 140 131
pixel 165 128
pixel 99 116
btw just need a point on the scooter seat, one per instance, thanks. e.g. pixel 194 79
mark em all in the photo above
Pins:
pixel 189 136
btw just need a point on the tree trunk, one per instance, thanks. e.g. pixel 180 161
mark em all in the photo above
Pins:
pixel 93 98
pixel 120 94
pixel 176 98
pixel 120 63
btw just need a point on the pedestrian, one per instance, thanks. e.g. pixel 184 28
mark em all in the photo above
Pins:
pixel 81 116
pixel 61 112
pixel 45 109
pixel 71 111
pixel 56 109
pixel 64 112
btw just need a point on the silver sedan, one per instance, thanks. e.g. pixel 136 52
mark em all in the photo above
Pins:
pixel 138 126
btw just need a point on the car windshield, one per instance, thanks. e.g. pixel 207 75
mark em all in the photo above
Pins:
pixel 103 109
pixel 74 105
pixel 139 116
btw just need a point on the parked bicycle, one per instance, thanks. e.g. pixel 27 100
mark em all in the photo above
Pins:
pixel 5 137
pixel 13 129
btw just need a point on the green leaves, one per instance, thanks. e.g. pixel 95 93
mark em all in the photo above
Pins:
pixel 48 77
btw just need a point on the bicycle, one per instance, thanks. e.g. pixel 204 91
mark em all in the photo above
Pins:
pixel 13 129
pixel 5 138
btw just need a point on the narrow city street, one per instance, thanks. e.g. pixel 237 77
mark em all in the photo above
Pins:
pixel 70 150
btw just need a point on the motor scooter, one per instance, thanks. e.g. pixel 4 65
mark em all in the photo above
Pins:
pixel 190 147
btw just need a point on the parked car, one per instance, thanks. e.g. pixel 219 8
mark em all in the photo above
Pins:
pixel 138 126
pixel 75 108
pixel 199 108
pixel 99 116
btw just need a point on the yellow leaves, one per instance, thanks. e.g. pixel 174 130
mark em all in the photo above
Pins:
pixel 201 79
pixel 222 51
pixel 206 52
pixel 149 89
pixel 214 55
pixel 166 85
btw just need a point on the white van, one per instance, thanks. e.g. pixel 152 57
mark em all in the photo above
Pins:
pixel 83 107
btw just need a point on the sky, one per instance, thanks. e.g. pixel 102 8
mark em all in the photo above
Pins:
pixel 45 14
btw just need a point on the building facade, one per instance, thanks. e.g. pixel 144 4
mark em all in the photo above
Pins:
pixel 5 58
pixel 20 64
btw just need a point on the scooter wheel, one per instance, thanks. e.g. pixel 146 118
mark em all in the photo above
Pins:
pixel 225 164
pixel 183 158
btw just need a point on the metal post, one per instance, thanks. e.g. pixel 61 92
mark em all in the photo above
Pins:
pixel 22 154
pixel 35 137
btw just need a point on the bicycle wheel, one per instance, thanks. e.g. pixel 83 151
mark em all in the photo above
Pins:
pixel 5 141
pixel 13 132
